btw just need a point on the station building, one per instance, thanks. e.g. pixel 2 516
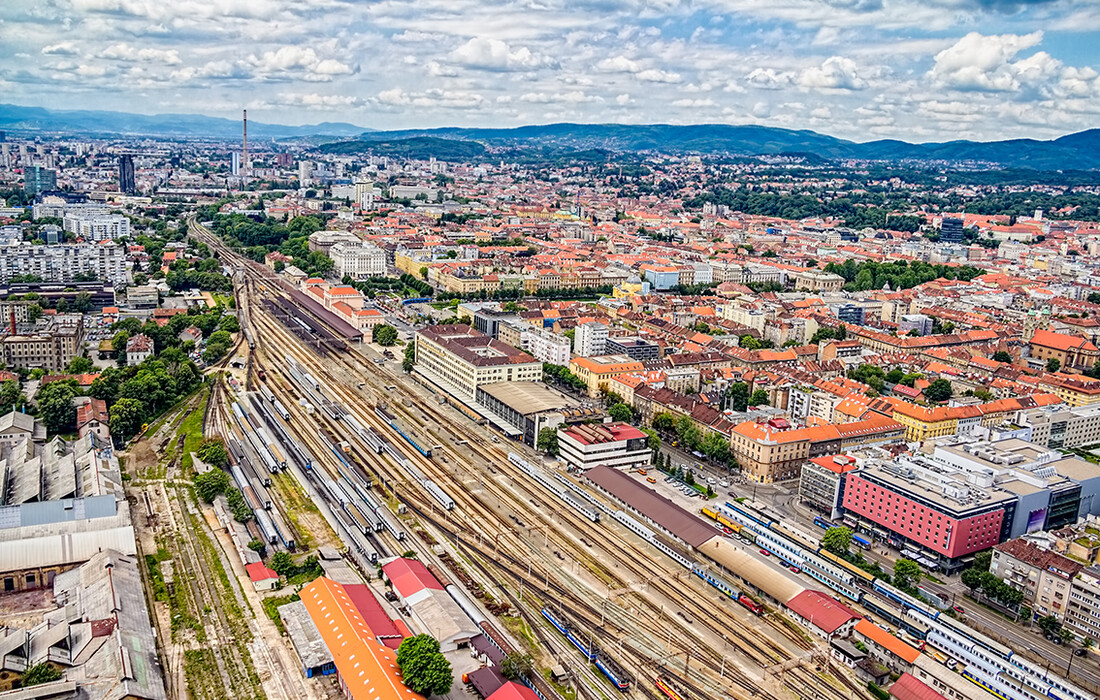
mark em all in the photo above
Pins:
pixel 462 359
pixel 616 445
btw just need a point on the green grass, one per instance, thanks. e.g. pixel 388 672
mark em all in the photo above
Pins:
pixel 272 605
pixel 191 429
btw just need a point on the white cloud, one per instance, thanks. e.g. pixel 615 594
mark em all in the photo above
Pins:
pixel 985 63
pixel 316 100
pixel 125 52
pixel 496 55
pixel 769 79
pixel 618 64
pixel 64 48
pixel 653 75
pixel 835 73
pixel 695 104
pixel 572 97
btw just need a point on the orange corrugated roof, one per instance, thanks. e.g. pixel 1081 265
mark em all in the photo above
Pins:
pixel 887 641
pixel 368 668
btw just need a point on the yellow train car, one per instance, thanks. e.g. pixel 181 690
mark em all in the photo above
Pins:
pixel 847 565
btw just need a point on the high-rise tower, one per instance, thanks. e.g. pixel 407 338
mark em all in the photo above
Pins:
pixel 127 184
pixel 244 149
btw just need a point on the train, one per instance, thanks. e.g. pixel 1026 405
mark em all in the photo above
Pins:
pixel 566 492
pixel 984 661
pixel 381 410
pixel 592 653
pixel 666 689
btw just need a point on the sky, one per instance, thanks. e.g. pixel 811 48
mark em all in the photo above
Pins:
pixel 917 70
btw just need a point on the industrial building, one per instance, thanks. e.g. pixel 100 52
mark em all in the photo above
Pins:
pixel 531 406
pixel 51 347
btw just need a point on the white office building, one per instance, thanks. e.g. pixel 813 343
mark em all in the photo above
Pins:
pixel 358 260
pixel 546 346
pixel 590 339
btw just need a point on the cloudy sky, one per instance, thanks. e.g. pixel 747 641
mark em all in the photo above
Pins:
pixel 918 70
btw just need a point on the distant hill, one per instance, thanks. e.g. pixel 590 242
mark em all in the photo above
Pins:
pixel 1079 151
pixel 584 142
pixel 16 118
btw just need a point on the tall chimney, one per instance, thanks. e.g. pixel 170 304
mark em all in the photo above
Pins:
pixel 244 155
pixel 13 319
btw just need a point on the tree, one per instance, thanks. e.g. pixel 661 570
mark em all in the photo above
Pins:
pixel 424 272
pixel 127 417
pixel 410 358
pixel 211 483
pixel 55 406
pixel 1049 624
pixel 871 375
pixel 11 397
pixel 229 324
pixel 938 390
pixel 1002 356
pixel 384 334
pixel 83 302
pixel 737 396
pixel 39 674
pixel 653 441
pixel 907 574
pixel 548 441
pixel 1054 364
pixel 34 312
pixel 516 666
pixel 688 432
pixel 664 422
pixel 423 668
pixel 283 564
pixel 621 413
pixel 759 398
pixel 80 365
pixel 837 540
pixel 972 578
pixel 213 452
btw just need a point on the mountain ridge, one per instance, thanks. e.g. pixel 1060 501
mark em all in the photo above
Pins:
pixel 1077 151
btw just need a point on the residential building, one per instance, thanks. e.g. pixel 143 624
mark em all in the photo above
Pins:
pixel 885 648
pixel 615 445
pixel 358 260
pixel 97 227
pixel 634 347
pixel 50 348
pixel 821 484
pixel 1083 612
pixel 590 339
pixel 1044 577
pixel 463 359
pixel 597 371
pixel 545 345
pixel 62 263
pixel 775 450
pixel 139 348
pixel 915 322
pixel 92 417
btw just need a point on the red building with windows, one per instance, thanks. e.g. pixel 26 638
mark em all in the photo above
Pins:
pixel 936 522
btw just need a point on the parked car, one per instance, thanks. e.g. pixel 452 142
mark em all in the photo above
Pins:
pixel 765 552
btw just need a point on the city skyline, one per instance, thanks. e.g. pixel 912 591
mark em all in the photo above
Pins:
pixel 856 69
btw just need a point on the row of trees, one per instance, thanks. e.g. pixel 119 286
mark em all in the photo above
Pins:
pixel 869 274
pixel 907 573
pixel 560 374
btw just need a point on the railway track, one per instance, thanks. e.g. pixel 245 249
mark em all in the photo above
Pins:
pixel 759 648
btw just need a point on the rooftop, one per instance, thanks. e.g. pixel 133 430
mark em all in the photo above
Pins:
pixel 596 434
pixel 823 612
pixel 528 397
pixel 474 347
pixel 667 514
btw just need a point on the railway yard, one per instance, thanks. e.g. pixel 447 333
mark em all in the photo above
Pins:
pixel 329 447
pixel 393 471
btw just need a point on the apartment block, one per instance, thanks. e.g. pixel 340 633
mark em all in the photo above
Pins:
pixel 1044 577
pixel 634 347
pixel 97 227
pixel 1083 612
pixel 821 484
pixel 464 359
pixel 62 263
pixel 1060 426
pixel 590 339
pixel 545 345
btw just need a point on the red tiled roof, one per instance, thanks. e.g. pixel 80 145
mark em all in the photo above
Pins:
pixel 909 687
pixel 258 572
pixel 826 614
pixel 410 576
pixel 513 691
